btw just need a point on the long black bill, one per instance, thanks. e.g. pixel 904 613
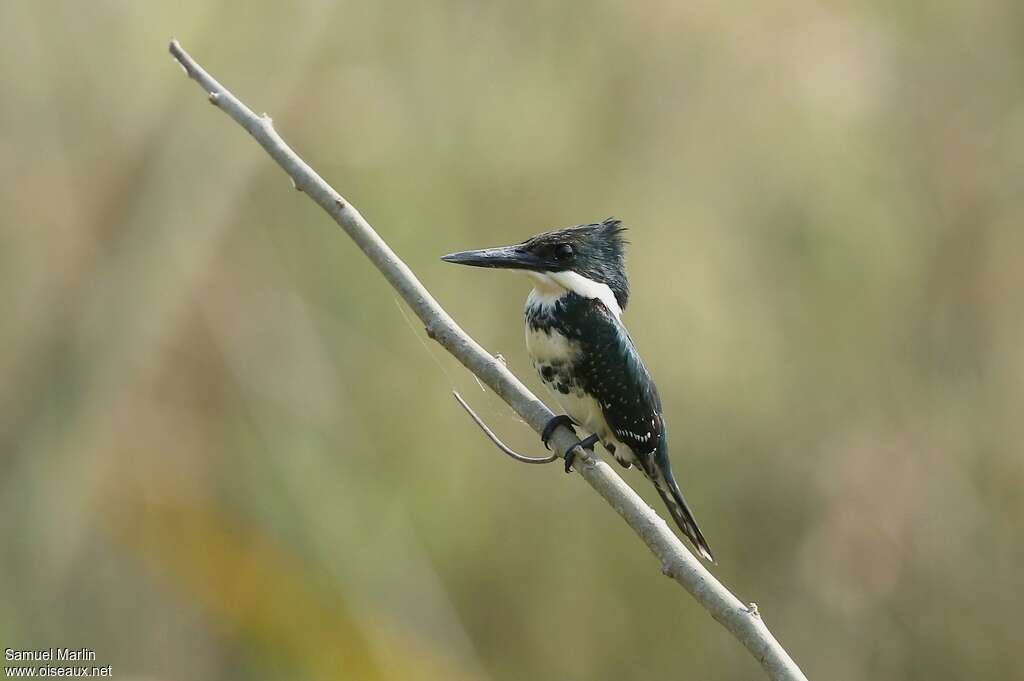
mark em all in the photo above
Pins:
pixel 503 257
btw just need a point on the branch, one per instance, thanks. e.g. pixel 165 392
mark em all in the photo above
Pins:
pixel 676 562
pixel 497 441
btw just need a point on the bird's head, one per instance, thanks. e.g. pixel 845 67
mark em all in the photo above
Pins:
pixel 587 259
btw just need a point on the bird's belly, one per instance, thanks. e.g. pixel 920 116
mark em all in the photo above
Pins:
pixel 586 411
pixel 554 357
pixel 582 408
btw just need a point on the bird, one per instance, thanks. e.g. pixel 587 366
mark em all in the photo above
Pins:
pixel 578 344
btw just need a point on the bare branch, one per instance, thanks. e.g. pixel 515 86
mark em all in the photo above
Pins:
pixel 497 442
pixel 676 561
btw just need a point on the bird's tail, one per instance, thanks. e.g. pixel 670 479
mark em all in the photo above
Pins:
pixel 666 485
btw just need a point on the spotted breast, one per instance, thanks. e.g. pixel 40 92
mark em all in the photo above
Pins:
pixel 585 357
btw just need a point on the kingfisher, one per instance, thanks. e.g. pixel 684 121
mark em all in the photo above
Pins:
pixel 584 354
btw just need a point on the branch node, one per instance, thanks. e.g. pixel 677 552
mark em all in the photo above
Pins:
pixel 430 333
pixel 666 570
pixel 752 609
pixel 213 98
pixel 295 185
pixel 339 202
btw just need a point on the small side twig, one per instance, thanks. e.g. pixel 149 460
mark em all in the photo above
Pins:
pixel 497 441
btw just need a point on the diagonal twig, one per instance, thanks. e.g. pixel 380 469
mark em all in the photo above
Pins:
pixel 497 441
pixel 676 561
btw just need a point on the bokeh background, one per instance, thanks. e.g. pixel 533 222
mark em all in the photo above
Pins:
pixel 228 452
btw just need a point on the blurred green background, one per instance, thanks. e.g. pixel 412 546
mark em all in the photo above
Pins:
pixel 226 452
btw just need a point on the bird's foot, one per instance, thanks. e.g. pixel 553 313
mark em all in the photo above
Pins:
pixel 549 429
pixel 585 443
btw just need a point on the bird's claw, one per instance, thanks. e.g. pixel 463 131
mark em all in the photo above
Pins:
pixel 570 456
pixel 549 429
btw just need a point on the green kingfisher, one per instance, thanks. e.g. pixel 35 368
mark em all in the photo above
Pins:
pixel 585 356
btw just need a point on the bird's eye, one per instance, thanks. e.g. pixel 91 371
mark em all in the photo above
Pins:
pixel 564 252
